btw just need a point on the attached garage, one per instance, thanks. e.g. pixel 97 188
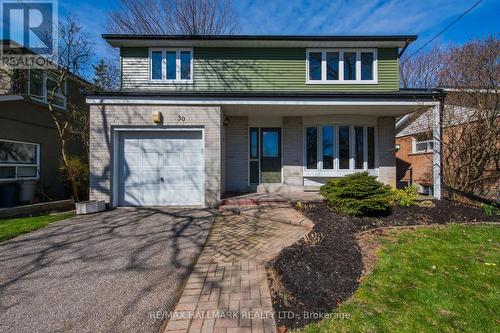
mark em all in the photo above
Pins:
pixel 161 168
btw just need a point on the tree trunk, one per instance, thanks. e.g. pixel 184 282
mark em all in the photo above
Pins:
pixel 74 188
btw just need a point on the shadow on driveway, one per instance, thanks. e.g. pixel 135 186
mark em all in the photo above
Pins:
pixel 104 272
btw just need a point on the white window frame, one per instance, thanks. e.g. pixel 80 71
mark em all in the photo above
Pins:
pixel 17 165
pixel 45 96
pixel 164 65
pixel 415 142
pixel 336 171
pixel 341 66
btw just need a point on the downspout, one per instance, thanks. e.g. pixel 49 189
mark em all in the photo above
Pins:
pixel 407 43
pixel 441 111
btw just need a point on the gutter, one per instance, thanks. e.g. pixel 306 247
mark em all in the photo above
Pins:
pixel 414 95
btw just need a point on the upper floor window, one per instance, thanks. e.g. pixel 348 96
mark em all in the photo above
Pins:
pixel 44 85
pixel 336 66
pixel 171 65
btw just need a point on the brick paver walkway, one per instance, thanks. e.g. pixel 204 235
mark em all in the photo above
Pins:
pixel 228 290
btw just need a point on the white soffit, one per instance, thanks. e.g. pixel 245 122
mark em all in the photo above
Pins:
pixel 252 43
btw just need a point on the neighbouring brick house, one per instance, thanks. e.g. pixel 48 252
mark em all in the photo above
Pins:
pixel 415 153
pixel 200 116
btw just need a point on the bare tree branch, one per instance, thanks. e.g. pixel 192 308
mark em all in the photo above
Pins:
pixel 471 118
pixel 190 17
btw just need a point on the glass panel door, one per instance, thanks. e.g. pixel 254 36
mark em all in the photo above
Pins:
pixel 270 160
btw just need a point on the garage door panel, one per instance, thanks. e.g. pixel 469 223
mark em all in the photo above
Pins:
pixel 173 178
pixel 161 168
pixel 132 197
pixel 153 146
pixel 151 159
pixel 174 145
pixel 132 145
pixel 132 158
pixel 173 159
pixel 152 178
pixel 190 159
pixel 152 197
pixel 191 197
pixel 192 179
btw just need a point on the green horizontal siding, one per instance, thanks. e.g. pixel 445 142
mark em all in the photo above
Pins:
pixel 254 69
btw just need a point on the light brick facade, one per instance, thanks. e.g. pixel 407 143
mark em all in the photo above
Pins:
pixel 293 151
pixel 226 146
pixel 236 154
pixel 386 150
pixel 104 118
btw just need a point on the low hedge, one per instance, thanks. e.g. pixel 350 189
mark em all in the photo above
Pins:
pixel 358 194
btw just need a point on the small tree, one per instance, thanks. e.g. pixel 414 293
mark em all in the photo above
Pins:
pixel 106 76
pixel 75 51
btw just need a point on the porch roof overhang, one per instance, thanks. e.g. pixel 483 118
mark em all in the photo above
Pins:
pixel 394 103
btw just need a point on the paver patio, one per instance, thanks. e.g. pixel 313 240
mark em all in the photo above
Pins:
pixel 228 290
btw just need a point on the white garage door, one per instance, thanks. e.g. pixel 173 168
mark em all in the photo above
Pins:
pixel 161 168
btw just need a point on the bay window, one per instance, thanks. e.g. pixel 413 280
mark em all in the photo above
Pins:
pixel 359 147
pixel 371 147
pixel 341 149
pixel 344 147
pixel 328 148
pixel 19 160
pixel 171 65
pixel 341 66
pixel 312 147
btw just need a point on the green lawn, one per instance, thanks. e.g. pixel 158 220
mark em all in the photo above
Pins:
pixel 11 228
pixel 428 280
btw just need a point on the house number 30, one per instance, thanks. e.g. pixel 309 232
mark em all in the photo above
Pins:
pixel 181 118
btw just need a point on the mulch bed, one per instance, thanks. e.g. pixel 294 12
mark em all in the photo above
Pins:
pixel 317 278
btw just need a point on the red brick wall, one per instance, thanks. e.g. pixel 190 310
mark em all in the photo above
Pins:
pixel 421 163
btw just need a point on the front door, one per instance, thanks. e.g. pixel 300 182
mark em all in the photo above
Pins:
pixel 270 155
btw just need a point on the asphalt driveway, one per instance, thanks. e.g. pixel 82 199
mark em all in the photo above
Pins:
pixel 107 272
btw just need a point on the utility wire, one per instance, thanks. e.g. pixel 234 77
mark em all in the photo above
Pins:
pixel 447 27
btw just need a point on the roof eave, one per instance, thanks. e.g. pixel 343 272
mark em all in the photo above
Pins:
pixel 123 40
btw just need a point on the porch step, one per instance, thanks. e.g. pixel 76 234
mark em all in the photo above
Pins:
pixel 231 203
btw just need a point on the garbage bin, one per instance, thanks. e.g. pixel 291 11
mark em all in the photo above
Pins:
pixel 8 195
pixel 27 191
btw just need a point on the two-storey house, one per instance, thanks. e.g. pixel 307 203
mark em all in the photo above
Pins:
pixel 200 116
pixel 30 147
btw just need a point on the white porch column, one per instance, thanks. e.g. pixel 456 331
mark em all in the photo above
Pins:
pixel 436 121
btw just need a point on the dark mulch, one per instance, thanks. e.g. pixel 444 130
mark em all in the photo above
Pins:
pixel 316 279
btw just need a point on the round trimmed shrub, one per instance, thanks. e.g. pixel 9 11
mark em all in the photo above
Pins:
pixel 358 194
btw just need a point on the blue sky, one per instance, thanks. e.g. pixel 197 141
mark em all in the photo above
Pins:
pixel 422 17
